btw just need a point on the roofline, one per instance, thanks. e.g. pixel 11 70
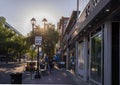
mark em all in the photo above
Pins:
pixel 11 27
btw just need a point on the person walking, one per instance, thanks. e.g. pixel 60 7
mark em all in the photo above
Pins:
pixel 50 65
pixel 46 61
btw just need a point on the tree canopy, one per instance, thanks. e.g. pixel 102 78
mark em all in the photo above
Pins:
pixel 11 43
pixel 49 38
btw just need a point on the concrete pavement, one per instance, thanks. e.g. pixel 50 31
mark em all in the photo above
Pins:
pixel 75 78
pixel 7 69
pixel 58 76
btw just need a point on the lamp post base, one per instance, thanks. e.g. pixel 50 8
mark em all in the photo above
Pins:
pixel 37 75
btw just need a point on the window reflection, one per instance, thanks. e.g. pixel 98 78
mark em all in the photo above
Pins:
pixel 96 53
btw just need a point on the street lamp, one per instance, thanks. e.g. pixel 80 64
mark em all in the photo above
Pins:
pixel 37 75
pixel 44 21
pixel 33 22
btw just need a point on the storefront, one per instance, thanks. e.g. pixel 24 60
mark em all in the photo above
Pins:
pixel 104 54
pixel 82 59
pixel 96 57
pixel 97 44
pixel 71 56
pixel 72 59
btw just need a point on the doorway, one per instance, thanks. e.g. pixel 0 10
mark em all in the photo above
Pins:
pixel 115 52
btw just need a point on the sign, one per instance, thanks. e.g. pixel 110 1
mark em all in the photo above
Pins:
pixel 38 40
pixel 40 53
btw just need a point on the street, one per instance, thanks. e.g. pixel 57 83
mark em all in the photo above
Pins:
pixel 58 76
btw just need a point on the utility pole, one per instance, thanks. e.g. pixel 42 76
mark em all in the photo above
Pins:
pixel 77 8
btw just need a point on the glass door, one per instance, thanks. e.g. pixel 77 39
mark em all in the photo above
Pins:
pixel 96 59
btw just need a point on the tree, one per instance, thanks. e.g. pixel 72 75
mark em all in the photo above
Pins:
pixel 10 42
pixel 49 38
pixel 19 46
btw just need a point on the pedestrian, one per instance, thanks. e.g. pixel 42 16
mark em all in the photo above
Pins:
pixel 46 61
pixel 72 62
pixel 50 65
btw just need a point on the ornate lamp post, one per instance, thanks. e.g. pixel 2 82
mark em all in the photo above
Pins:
pixel 33 22
pixel 37 75
pixel 44 21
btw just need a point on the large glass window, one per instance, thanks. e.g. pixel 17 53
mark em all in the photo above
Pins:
pixel 81 57
pixel 96 58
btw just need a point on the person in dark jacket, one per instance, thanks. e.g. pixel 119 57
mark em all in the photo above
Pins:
pixel 50 65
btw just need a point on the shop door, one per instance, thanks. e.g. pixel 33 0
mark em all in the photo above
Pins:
pixel 96 59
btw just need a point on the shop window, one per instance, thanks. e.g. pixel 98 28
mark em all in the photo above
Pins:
pixel 96 58
pixel 81 59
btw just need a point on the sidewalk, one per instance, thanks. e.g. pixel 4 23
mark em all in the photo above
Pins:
pixel 58 76
pixel 75 78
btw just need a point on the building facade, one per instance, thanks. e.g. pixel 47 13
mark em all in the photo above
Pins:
pixel 94 39
pixel 12 28
pixel 61 27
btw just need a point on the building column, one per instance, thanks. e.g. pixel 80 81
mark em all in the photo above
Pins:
pixel 107 53
pixel 85 54
pixel 76 65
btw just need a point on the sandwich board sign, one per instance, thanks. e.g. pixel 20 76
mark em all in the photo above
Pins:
pixel 38 40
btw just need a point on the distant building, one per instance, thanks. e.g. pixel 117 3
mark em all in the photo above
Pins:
pixel 61 27
pixel 68 42
pixel 12 28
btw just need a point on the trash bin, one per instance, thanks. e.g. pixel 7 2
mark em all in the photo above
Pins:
pixel 16 78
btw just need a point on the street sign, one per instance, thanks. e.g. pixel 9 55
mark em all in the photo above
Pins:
pixel 40 53
pixel 38 40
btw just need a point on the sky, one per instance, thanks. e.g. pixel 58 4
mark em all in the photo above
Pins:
pixel 18 13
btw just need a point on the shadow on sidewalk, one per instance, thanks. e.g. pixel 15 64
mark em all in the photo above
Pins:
pixel 57 76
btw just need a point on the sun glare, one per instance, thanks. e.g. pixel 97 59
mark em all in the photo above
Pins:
pixel 39 17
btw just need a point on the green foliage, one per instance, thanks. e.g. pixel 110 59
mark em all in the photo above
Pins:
pixel 49 38
pixel 2 21
pixel 10 42
pixel 32 54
